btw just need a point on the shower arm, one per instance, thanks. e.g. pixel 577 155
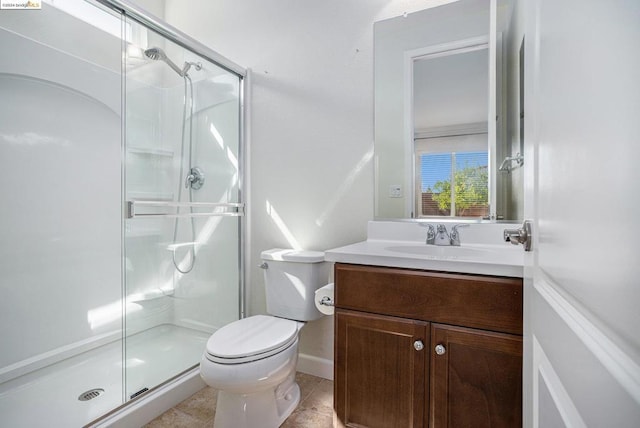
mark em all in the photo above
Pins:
pixel 175 67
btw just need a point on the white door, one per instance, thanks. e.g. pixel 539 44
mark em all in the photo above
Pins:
pixel 582 160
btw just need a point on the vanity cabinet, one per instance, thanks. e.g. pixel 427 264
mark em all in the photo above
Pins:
pixel 427 349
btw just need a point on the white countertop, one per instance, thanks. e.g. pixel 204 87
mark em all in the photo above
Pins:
pixel 494 258
pixel 473 258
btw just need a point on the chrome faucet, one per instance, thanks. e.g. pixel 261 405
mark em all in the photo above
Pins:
pixel 440 236
pixel 455 235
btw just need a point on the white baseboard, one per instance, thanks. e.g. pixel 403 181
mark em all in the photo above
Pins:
pixel 315 366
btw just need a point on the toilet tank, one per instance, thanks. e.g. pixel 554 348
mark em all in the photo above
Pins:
pixel 291 278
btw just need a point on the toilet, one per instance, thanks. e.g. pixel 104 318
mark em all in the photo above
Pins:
pixel 252 361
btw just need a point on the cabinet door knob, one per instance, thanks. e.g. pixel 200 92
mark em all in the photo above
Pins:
pixel 440 349
pixel 418 345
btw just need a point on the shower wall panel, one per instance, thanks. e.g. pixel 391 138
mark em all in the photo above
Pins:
pixel 213 302
pixel 60 151
pixel 150 175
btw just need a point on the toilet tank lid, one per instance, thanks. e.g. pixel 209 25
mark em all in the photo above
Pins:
pixel 288 255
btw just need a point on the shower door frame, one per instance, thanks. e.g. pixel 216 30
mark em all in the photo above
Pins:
pixel 131 11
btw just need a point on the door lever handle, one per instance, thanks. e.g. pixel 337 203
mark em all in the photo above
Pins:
pixel 520 236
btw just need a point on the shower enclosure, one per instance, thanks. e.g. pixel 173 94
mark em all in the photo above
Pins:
pixel 122 215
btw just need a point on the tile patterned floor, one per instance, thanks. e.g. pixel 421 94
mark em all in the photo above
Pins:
pixel 314 411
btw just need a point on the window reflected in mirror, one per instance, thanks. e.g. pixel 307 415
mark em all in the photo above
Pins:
pixel 469 195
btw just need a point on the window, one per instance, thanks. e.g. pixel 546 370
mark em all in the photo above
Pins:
pixel 466 167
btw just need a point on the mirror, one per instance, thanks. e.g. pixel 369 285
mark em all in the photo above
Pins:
pixel 441 74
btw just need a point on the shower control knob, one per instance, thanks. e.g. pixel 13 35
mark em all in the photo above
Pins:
pixel 418 345
pixel 440 349
pixel 195 178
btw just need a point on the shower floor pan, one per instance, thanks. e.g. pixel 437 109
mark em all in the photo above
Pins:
pixel 52 395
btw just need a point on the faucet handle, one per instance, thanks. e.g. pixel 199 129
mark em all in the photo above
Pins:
pixel 454 229
pixel 455 235
pixel 431 233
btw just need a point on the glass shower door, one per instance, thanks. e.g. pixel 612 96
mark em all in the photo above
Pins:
pixel 182 232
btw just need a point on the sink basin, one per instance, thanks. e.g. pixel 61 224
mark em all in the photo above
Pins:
pixel 402 245
pixel 439 252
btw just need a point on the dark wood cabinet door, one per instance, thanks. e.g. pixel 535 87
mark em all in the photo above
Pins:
pixel 476 382
pixel 380 377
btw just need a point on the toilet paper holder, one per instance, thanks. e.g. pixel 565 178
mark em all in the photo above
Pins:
pixel 326 301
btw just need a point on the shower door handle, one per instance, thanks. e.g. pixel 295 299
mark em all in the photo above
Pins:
pixel 148 209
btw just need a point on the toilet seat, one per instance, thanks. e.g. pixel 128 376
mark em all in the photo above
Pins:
pixel 251 339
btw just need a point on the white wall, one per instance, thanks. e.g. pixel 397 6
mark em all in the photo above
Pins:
pixel 311 121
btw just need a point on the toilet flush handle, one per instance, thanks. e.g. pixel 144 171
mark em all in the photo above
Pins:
pixel 263 265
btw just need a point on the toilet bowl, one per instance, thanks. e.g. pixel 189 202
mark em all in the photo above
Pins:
pixel 252 361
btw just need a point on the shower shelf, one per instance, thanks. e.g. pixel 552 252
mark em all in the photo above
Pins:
pixel 150 152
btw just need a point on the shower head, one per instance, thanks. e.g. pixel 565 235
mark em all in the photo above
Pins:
pixel 155 54
pixel 158 54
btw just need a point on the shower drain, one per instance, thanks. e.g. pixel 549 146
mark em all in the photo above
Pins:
pixel 90 394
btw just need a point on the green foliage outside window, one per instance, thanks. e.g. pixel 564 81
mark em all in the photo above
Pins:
pixel 471 190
